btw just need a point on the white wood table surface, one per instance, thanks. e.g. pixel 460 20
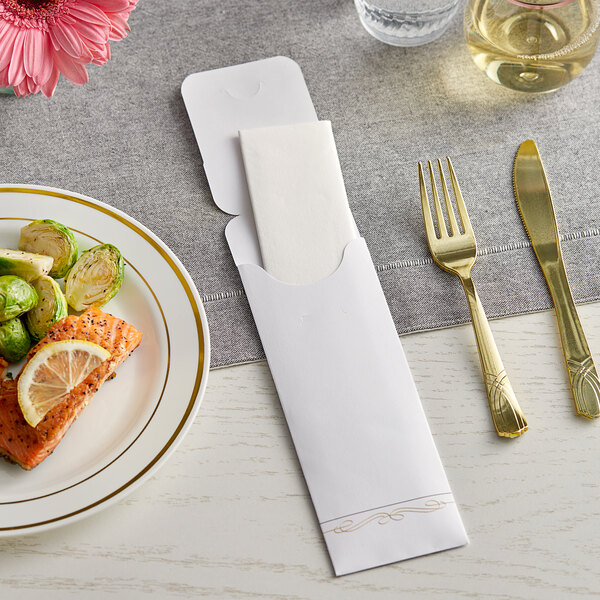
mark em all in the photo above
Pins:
pixel 229 515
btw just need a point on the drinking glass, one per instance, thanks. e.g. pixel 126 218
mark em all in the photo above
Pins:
pixel 406 22
pixel 532 45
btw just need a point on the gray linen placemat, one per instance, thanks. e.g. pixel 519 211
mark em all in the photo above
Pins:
pixel 125 139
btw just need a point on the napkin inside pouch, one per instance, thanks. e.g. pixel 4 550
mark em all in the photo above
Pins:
pixel 298 200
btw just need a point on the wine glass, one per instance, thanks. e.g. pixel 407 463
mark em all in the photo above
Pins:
pixel 532 45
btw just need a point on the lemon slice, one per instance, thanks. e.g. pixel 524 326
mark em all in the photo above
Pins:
pixel 53 372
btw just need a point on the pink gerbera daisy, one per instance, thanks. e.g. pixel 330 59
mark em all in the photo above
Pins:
pixel 40 39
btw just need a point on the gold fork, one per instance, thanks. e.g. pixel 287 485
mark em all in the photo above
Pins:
pixel 456 252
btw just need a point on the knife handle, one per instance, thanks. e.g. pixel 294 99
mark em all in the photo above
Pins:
pixel 582 372
pixel 507 416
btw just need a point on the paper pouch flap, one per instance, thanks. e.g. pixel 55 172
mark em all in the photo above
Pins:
pixel 221 102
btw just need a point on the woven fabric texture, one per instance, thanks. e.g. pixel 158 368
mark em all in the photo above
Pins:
pixel 125 139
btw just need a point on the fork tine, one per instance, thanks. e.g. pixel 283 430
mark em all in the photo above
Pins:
pixel 436 203
pixel 460 205
pixel 449 209
pixel 427 218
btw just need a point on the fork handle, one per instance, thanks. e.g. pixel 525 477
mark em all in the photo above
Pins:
pixel 507 416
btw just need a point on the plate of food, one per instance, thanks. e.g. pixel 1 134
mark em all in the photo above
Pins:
pixel 105 356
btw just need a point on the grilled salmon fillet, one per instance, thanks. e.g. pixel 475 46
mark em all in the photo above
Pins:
pixel 29 446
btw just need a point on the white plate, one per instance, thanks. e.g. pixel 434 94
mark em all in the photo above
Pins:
pixel 136 420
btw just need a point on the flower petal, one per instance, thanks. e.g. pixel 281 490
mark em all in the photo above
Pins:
pixel 32 59
pixel 95 33
pixel 46 61
pixel 32 86
pixel 16 70
pixel 21 89
pixel 119 27
pixel 6 47
pixel 50 85
pixel 111 5
pixel 67 38
pixel 86 54
pixel 101 58
pixel 88 13
pixel 96 50
pixel 71 69
pixel 33 51
pixel 67 19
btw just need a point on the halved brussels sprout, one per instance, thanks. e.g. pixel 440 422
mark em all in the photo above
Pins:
pixel 14 340
pixel 51 307
pixel 24 264
pixel 95 278
pixel 16 297
pixel 52 239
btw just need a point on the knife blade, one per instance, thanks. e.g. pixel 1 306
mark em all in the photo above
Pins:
pixel 537 212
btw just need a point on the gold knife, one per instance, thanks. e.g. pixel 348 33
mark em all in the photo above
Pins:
pixel 535 205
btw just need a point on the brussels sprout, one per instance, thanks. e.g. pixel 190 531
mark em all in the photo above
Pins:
pixel 24 264
pixel 16 297
pixel 52 239
pixel 14 340
pixel 95 278
pixel 51 307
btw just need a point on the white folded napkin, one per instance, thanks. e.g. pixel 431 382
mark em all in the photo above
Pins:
pixel 299 200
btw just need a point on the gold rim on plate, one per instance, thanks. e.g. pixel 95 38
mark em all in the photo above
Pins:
pixel 194 304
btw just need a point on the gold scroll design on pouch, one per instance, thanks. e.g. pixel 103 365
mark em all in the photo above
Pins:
pixel 383 517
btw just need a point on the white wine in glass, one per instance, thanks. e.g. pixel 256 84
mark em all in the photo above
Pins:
pixel 532 45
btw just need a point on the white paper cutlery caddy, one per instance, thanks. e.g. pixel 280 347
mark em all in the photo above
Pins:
pixel 375 478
